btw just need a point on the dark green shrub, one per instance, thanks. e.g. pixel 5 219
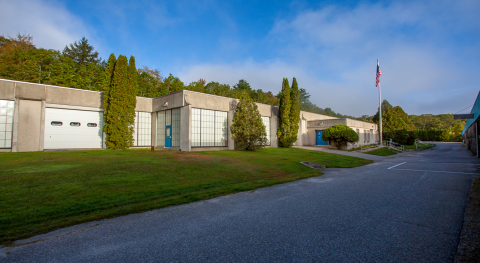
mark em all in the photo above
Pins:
pixel 340 135
pixel 247 129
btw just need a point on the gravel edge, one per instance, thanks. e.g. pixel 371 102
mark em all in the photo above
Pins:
pixel 468 249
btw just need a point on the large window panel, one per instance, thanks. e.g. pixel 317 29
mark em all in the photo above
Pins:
pixel 6 123
pixel 142 129
pixel 266 123
pixel 209 128
pixel 176 127
pixel 196 118
pixel 161 128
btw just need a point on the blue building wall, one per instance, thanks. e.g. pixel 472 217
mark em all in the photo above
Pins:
pixel 476 111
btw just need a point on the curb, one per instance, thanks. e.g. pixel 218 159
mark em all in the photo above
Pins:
pixel 419 150
pixel 468 244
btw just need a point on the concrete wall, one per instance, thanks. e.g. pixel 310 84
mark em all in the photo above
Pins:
pixel 185 128
pixel 144 104
pixel 167 102
pixel 363 130
pixel 29 133
pixel 7 90
pixel 213 102
pixel 31 100
pixel 74 97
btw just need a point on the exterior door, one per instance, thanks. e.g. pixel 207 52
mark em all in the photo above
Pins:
pixel 320 141
pixel 73 129
pixel 168 136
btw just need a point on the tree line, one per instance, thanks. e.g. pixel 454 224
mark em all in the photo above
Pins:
pixel 404 128
pixel 79 66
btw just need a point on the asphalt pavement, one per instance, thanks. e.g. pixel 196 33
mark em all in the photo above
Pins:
pixel 406 208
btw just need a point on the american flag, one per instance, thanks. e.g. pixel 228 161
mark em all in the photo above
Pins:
pixel 379 72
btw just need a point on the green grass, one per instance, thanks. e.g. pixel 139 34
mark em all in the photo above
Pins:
pixel 418 146
pixel 43 191
pixel 381 152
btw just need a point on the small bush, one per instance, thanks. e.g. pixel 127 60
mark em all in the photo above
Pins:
pixel 340 135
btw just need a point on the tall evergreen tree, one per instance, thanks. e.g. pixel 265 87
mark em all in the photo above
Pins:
pixel 294 111
pixel 109 116
pixel 284 131
pixel 131 99
pixel 82 53
pixel 119 103
pixel 87 64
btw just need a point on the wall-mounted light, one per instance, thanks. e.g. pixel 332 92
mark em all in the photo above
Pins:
pixel 165 104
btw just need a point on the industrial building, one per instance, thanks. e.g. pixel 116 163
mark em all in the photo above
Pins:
pixel 38 117
pixel 470 131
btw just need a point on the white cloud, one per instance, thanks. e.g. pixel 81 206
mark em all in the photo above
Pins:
pixel 50 23
pixel 332 51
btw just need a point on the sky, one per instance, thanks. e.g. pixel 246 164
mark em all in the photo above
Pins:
pixel 429 51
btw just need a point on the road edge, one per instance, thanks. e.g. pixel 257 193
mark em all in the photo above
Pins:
pixel 468 249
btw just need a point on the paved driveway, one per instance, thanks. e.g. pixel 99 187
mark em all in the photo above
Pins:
pixel 406 209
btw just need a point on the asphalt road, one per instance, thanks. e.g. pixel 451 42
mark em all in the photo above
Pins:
pixel 403 209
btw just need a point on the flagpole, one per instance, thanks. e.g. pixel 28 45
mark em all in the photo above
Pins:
pixel 380 105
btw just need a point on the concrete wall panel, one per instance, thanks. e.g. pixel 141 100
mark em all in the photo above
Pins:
pixel 76 97
pixel 29 126
pixel 206 101
pixel 361 124
pixel 324 124
pixel 30 91
pixel 144 104
pixel 174 100
pixel 265 110
pixel 273 132
pixel 314 116
pixel 185 128
pixel 231 142
pixel 7 90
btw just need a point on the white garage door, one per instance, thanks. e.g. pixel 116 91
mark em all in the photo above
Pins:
pixel 72 129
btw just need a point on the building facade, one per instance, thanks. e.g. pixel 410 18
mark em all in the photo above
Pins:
pixel 37 117
pixel 470 133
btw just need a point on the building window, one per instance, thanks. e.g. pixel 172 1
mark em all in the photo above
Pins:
pixel 142 129
pixel 56 123
pixel 90 125
pixel 6 123
pixel 168 118
pixel 75 124
pixel 209 128
pixel 176 127
pixel 266 123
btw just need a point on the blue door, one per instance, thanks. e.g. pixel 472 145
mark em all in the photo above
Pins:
pixel 320 141
pixel 168 136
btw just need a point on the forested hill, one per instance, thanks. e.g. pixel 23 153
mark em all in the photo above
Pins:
pixel 79 66
pixel 395 119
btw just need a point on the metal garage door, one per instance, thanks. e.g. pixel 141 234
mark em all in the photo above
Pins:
pixel 72 129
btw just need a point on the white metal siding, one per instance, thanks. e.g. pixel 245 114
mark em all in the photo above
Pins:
pixel 67 136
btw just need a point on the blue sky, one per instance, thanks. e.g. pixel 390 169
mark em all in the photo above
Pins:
pixel 429 51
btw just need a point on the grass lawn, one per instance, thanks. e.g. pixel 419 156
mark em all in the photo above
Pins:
pixel 384 151
pixel 43 191
pixel 418 146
